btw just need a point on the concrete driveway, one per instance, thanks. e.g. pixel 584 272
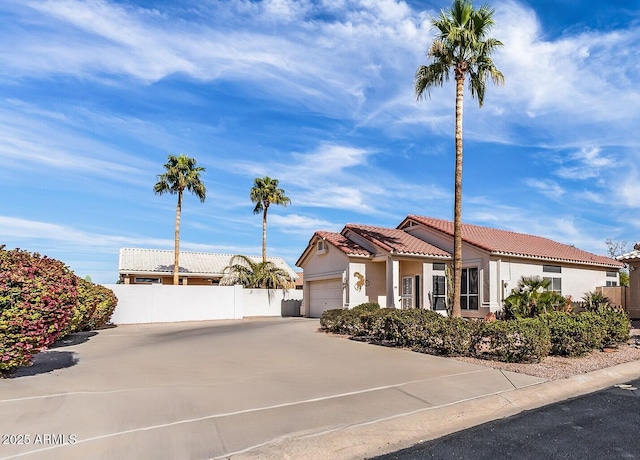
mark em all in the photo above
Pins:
pixel 229 389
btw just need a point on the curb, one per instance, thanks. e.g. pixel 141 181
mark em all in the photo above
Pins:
pixel 395 433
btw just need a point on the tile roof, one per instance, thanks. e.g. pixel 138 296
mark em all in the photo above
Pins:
pixel 517 244
pixel 633 255
pixel 137 260
pixel 396 241
pixel 344 244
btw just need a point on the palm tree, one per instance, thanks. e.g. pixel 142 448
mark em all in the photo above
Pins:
pixel 461 47
pixel 181 173
pixel 265 192
pixel 251 274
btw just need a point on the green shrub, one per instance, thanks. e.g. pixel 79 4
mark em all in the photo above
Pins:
pixel 338 321
pixel 574 334
pixel 101 303
pixel 405 327
pixel 369 307
pixel 519 340
pixel 454 337
pixel 37 298
pixel 616 326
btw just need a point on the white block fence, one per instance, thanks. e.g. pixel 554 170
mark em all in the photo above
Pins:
pixel 157 303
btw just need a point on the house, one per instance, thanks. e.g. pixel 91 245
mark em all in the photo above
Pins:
pixel 406 267
pixel 155 266
pixel 632 259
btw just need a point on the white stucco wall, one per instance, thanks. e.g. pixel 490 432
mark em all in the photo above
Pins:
pixel 157 303
pixel 274 302
pixel 576 279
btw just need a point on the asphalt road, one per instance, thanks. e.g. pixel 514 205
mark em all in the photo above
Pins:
pixel 602 425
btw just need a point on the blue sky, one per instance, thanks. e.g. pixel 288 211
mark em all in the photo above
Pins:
pixel 95 94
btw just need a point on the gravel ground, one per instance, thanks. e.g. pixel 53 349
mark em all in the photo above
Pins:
pixel 555 367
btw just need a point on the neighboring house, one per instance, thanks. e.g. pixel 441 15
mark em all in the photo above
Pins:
pixel 632 259
pixel 405 267
pixel 155 266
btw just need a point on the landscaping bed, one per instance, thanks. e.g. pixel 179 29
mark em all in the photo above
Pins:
pixel 552 345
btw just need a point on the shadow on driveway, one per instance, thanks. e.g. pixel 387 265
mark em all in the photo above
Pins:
pixel 47 361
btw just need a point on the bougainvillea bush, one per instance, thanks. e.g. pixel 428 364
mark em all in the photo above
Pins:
pixel 37 298
pixel 100 302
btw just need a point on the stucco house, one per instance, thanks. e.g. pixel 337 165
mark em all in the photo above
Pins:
pixel 155 266
pixel 405 267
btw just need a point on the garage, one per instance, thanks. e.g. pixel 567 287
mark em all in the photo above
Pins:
pixel 324 295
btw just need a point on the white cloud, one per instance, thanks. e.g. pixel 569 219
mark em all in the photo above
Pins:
pixel 587 163
pixel 547 187
pixel 295 223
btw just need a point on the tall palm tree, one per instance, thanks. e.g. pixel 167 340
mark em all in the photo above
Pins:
pixel 264 193
pixel 181 173
pixel 251 274
pixel 461 47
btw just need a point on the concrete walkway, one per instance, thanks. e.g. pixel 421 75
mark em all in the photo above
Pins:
pixel 264 388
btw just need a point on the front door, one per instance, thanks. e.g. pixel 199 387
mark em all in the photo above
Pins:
pixel 407 292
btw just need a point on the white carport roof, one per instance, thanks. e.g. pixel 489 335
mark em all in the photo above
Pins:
pixel 159 261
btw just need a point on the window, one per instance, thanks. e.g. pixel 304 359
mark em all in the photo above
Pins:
pixel 611 283
pixel 555 285
pixel 321 246
pixel 612 274
pixel 552 269
pixel 469 291
pixel 438 301
pixel 438 266
pixel 147 280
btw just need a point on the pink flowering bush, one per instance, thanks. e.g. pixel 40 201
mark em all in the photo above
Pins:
pixel 99 301
pixel 38 296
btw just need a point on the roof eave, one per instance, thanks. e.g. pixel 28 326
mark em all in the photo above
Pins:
pixel 557 259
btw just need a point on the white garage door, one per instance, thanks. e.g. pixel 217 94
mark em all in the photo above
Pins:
pixel 325 295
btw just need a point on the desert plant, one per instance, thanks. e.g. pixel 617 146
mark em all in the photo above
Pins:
pixel 595 301
pixel 251 274
pixel 37 298
pixel 531 298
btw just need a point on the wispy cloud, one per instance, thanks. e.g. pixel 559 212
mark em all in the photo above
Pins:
pixel 547 187
pixel 587 163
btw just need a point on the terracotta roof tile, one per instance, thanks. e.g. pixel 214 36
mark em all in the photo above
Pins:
pixel 396 241
pixel 517 244
pixel 344 244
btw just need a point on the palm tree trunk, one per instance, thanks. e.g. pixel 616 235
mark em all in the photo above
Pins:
pixel 264 233
pixel 176 250
pixel 457 206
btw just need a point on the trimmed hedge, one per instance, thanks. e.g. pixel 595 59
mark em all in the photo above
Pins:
pixel 37 298
pixel 369 306
pixel 513 341
pixel 516 340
